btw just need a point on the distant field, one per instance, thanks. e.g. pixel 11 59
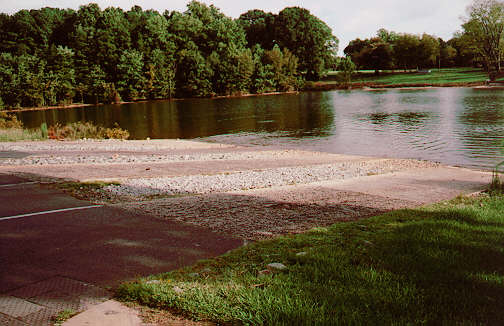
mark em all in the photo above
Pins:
pixel 443 76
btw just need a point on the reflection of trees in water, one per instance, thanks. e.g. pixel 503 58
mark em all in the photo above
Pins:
pixel 481 124
pixel 301 115
pixel 406 118
pixel 482 110
pixel 419 99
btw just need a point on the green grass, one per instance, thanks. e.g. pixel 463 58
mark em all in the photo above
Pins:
pixel 63 316
pixel 442 264
pixel 445 76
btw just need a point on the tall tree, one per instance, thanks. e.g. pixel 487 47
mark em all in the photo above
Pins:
pixel 484 27
pixel 354 50
pixel 259 27
pixel 466 54
pixel 308 38
pixel 406 51
pixel 428 51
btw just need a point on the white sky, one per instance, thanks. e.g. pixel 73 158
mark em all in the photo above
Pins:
pixel 348 19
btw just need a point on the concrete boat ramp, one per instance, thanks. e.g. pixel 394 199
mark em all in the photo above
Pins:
pixel 64 253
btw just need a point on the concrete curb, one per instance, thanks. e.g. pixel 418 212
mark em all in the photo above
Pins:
pixel 109 313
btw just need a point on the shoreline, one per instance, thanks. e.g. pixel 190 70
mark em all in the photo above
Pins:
pixel 321 86
pixel 81 105
pixel 317 86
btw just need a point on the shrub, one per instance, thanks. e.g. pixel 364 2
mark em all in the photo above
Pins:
pixel 80 130
pixel 9 121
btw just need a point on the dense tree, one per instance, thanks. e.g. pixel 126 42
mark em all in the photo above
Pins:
pixel 428 51
pixel 466 54
pixel 355 49
pixel 447 54
pixel 387 36
pixel 484 29
pixel 346 69
pixel 130 74
pixel 309 39
pixel 53 56
pixel 405 51
pixel 60 75
pixel 372 53
pixel 259 28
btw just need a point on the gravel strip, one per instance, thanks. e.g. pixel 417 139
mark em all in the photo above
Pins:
pixel 265 213
pixel 109 145
pixel 139 158
pixel 244 180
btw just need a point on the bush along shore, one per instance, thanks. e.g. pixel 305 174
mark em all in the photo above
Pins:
pixel 11 129
pixel 440 264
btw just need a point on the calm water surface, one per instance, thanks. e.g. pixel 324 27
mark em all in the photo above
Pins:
pixel 456 126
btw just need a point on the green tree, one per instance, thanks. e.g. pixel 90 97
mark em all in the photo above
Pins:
pixel 466 54
pixel 60 76
pixel 346 69
pixel 112 38
pixel 428 51
pixel 308 38
pixel 283 65
pixel 386 36
pixel 160 76
pixel 259 27
pixel 405 51
pixel 262 78
pixel 380 55
pixel 82 40
pixel 484 28
pixel 356 51
pixel 130 77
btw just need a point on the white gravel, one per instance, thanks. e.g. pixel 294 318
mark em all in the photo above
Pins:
pixel 140 158
pixel 245 180
pixel 109 145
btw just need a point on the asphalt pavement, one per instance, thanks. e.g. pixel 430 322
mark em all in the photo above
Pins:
pixel 58 252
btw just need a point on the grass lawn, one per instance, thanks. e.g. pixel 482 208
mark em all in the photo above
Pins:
pixel 444 76
pixel 441 264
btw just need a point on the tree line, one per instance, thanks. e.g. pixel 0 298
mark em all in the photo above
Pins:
pixel 391 50
pixel 58 56
pixel 480 43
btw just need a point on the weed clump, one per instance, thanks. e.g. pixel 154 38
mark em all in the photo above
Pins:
pixel 9 121
pixel 80 130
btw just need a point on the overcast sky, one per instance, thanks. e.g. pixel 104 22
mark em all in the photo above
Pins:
pixel 348 19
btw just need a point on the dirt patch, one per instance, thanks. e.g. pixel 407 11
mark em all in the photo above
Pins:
pixel 158 317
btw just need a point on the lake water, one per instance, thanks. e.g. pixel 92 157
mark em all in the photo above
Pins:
pixel 456 126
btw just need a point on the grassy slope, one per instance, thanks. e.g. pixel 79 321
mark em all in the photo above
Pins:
pixel 436 77
pixel 439 264
pixel 455 75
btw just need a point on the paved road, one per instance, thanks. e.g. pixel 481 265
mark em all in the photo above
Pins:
pixel 52 259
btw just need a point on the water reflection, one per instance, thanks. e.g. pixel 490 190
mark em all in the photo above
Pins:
pixel 459 126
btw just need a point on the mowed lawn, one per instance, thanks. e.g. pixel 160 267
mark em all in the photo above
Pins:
pixel 443 76
pixel 441 264
pixel 436 77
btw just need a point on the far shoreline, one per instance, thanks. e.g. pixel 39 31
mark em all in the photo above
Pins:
pixel 317 86
pixel 81 105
